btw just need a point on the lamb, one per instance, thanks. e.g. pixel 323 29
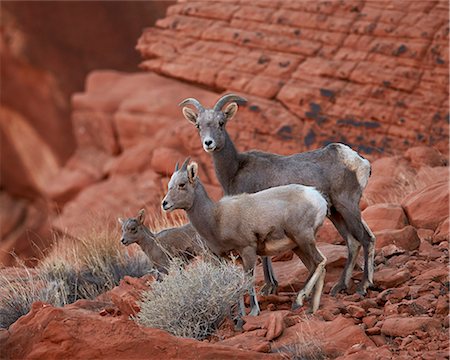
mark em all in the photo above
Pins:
pixel 265 223
pixel 336 170
pixel 160 247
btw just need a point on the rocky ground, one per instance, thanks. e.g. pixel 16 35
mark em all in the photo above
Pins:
pixel 406 315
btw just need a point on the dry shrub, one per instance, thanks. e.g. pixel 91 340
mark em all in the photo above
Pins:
pixel 193 300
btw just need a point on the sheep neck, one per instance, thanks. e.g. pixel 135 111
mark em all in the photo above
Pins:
pixel 226 163
pixel 146 241
pixel 201 213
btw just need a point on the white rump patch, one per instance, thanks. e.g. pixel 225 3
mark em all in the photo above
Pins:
pixel 318 201
pixel 356 163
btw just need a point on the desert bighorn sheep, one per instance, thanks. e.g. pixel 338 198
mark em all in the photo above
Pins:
pixel 336 170
pixel 265 223
pixel 159 247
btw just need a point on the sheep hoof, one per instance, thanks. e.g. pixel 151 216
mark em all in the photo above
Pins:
pixel 254 312
pixel 362 288
pixel 296 306
pixel 338 288
pixel 268 289
pixel 239 324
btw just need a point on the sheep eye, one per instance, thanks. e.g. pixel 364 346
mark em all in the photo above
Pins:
pixel 133 230
pixel 182 186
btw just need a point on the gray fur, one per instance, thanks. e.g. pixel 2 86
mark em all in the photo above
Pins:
pixel 337 171
pixel 160 247
pixel 264 223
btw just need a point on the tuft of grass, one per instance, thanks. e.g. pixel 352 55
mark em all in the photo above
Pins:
pixel 193 300
pixel 308 344
pixel 73 270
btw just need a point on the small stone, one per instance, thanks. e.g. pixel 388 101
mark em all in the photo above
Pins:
pixel 373 331
pixel 356 311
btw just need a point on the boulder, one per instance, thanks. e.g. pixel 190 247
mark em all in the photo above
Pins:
pixel 330 338
pixel 404 326
pixel 292 274
pixel 420 156
pixel 48 333
pixel 133 160
pixel 273 322
pixel 389 277
pixel 405 238
pixel 164 160
pixel 442 232
pixel 252 340
pixel 429 207
pixel 385 216
pixel 99 205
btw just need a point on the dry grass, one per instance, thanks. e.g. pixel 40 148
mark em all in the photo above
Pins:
pixel 73 270
pixel 307 345
pixel 193 300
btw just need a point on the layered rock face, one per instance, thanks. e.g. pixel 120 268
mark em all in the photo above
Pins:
pixel 46 50
pixel 373 75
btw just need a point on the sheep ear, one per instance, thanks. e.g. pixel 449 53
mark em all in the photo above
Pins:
pixel 192 171
pixel 230 111
pixel 190 115
pixel 121 221
pixel 141 216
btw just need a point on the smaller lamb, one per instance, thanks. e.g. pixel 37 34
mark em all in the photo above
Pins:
pixel 160 247
pixel 265 223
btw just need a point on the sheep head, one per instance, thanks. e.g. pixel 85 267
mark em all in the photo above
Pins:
pixel 211 122
pixel 181 188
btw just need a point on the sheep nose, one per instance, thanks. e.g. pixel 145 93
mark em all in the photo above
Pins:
pixel 208 142
pixel 122 241
pixel 164 204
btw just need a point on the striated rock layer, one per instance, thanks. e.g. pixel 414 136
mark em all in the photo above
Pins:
pixel 371 74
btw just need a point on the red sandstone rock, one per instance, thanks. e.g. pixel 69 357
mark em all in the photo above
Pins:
pixel 333 338
pixel 428 208
pixel 134 160
pixel 356 311
pixel 12 212
pixel 442 232
pixel 292 274
pixel 403 326
pixel 424 156
pixel 272 321
pixel 127 293
pixel 393 294
pixel 405 238
pixel 100 205
pixel 385 216
pixel 389 277
pixel 86 335
pixel 253 341
pixel 164 160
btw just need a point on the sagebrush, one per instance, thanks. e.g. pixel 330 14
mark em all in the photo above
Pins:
pixel 193 300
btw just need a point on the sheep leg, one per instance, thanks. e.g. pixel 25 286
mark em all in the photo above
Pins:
pixel 318 291
pixel 353 247
pixel 371 252
pixel 320 261
pixel 348 213
pixel 369 255
pixel 248 256
pixel 271 283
